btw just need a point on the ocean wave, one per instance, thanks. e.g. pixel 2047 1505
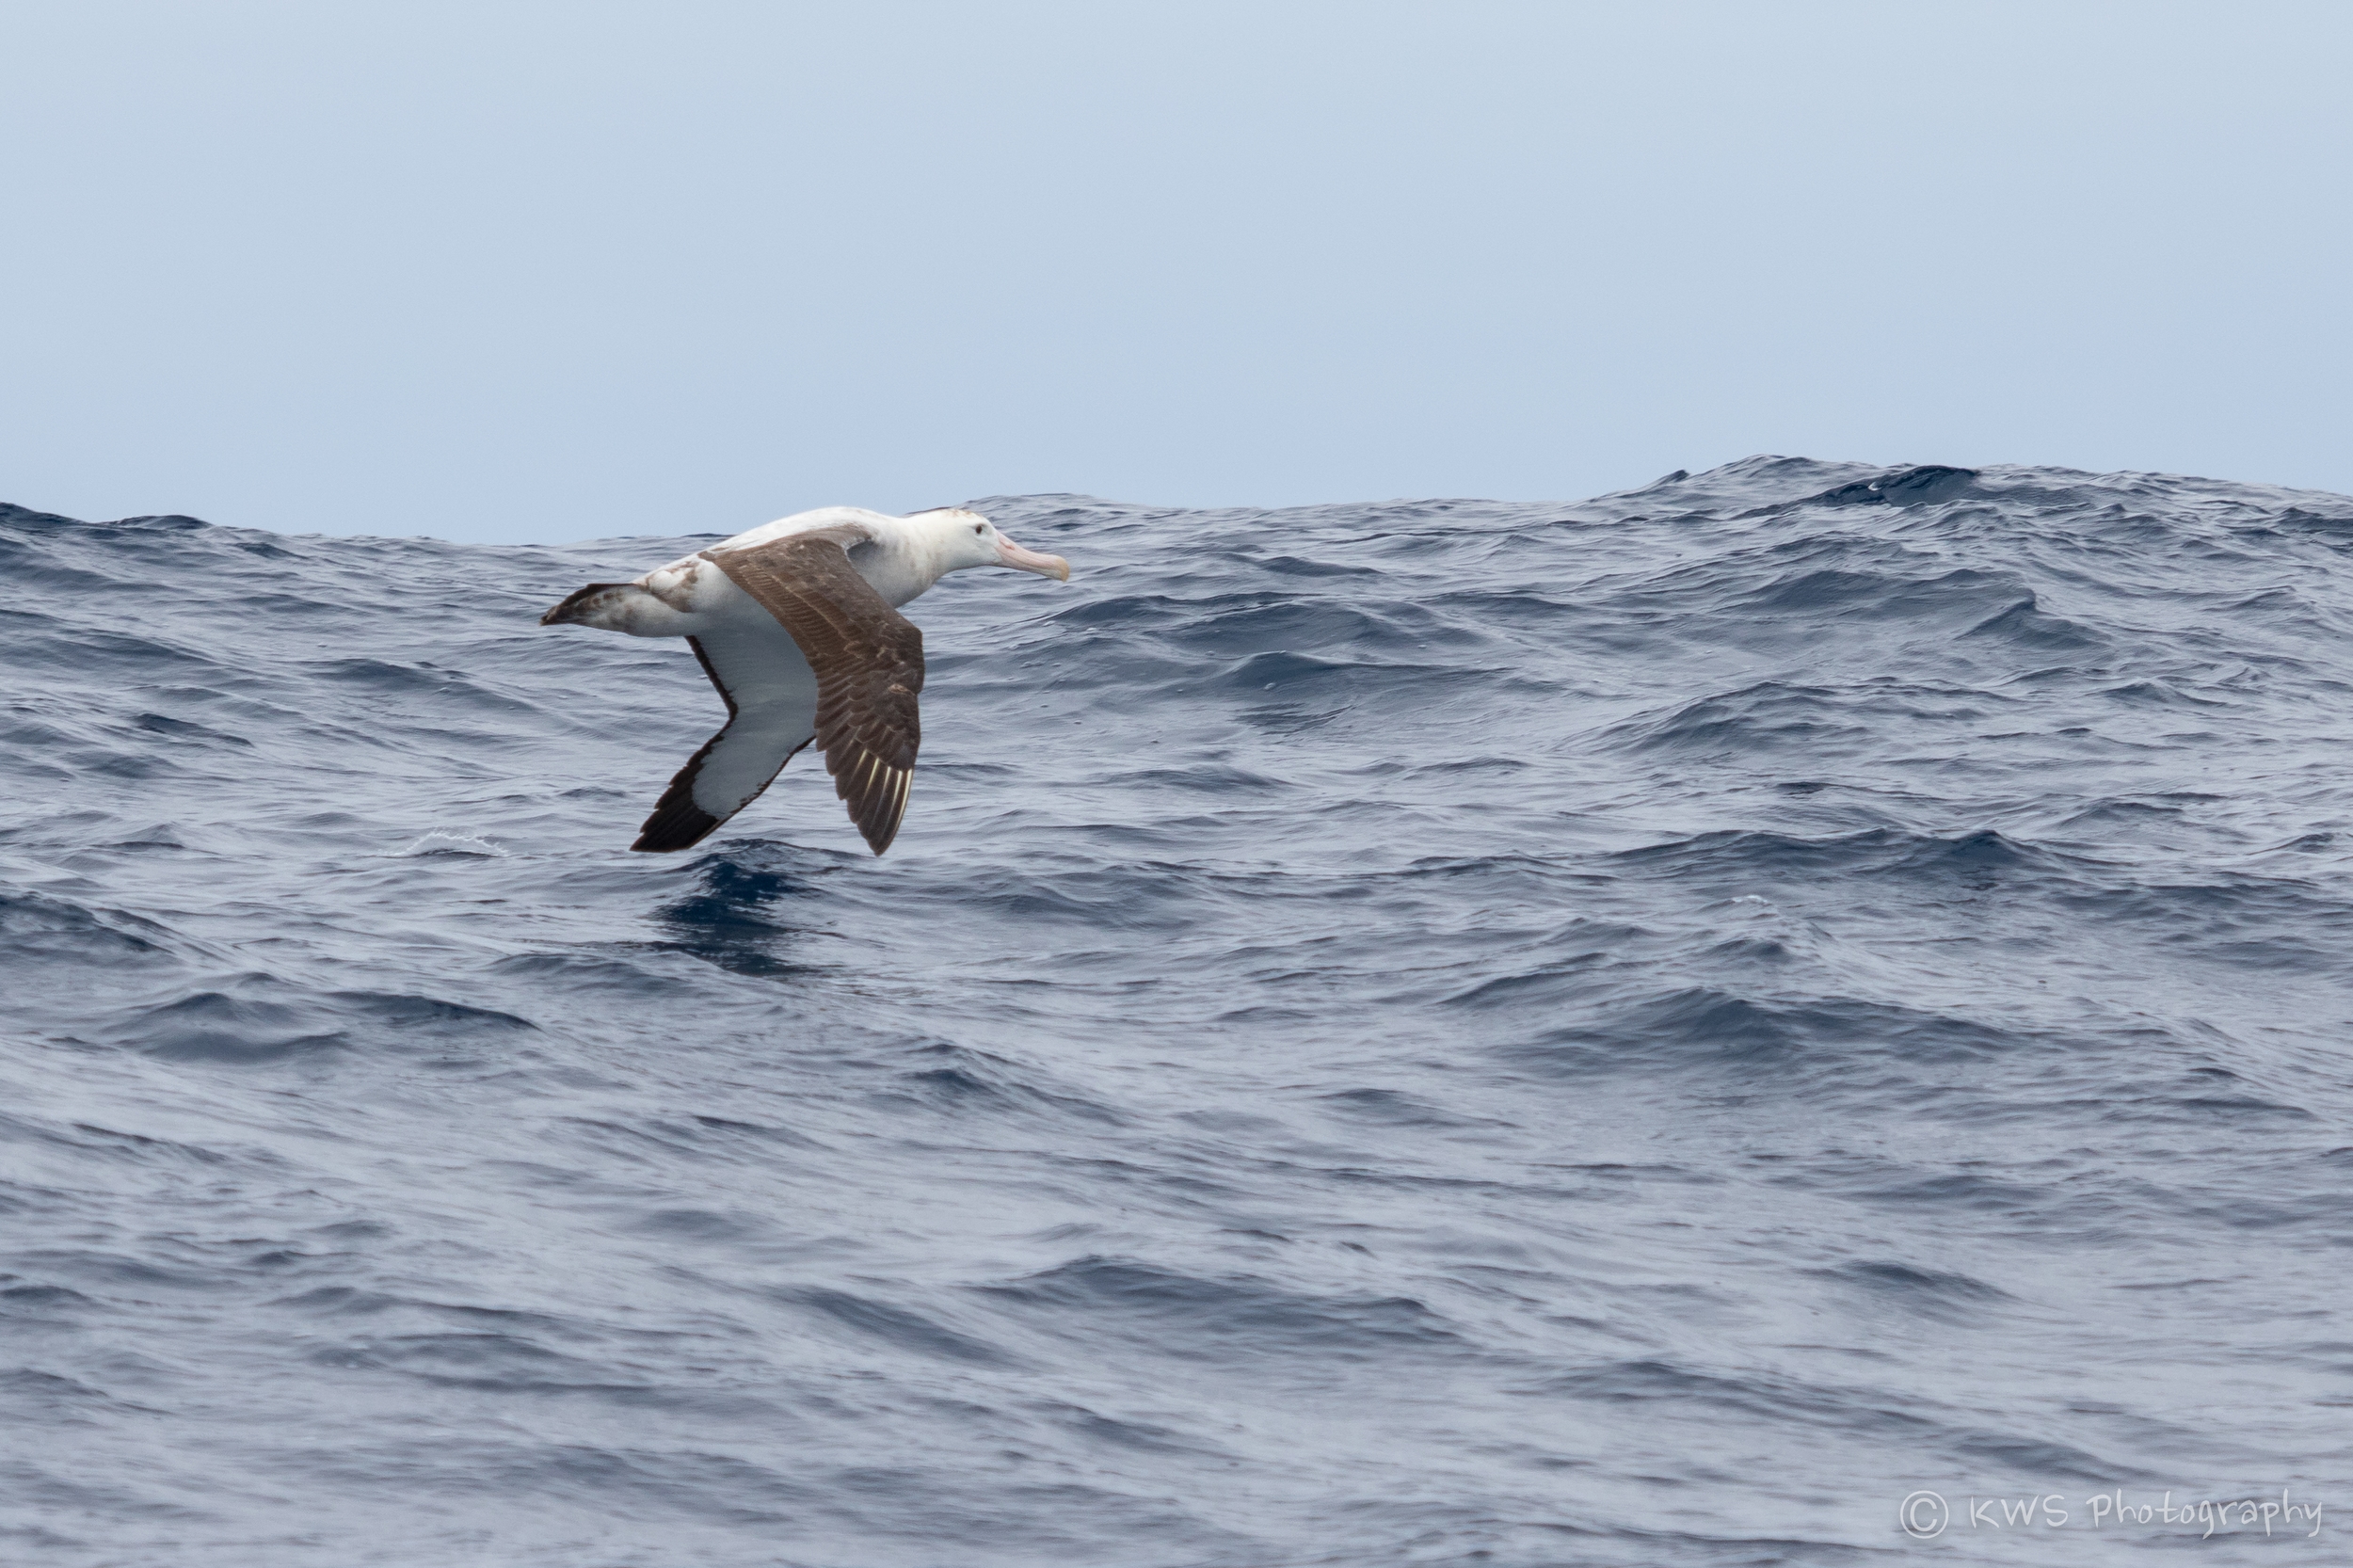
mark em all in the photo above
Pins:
pixel 1422 1032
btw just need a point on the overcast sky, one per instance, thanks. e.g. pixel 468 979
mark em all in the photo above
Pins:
pixel 508 271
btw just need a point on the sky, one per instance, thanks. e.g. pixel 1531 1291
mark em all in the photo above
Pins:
pixel 504 271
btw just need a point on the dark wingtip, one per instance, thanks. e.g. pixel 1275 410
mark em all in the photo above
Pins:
pixel 877 803
pixel 877 835
pixel 677 824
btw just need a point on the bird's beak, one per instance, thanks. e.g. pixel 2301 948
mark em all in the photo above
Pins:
pixel 1012 554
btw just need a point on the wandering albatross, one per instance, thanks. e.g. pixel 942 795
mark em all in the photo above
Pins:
pixel 797 624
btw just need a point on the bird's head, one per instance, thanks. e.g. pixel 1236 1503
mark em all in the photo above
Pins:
pixel 962 538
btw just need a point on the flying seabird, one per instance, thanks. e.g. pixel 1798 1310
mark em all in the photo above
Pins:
pixel 797 624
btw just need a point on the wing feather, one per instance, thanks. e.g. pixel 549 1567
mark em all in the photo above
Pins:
pixel 869 664
pixel 744 756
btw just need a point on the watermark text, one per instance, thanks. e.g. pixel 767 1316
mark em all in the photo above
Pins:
pixel 1925 1515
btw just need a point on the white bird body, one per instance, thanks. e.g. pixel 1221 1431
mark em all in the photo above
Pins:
pixel 766 611
pixel 694 597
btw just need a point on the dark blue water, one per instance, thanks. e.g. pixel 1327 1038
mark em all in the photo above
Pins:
pixel 1633 1032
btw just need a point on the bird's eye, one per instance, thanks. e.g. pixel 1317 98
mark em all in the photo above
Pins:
pixel 979 527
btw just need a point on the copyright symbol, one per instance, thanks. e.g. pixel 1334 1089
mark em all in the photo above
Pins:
pixel 1923 1515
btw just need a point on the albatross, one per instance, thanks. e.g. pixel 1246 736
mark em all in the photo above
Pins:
pixel 797 623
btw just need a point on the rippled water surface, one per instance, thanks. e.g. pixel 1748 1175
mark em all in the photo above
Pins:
pixel 1637 1032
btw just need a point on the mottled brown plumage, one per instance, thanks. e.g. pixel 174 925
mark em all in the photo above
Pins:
pixel 869 664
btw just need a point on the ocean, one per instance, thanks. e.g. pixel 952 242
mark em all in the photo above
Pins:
pixel 1670 1029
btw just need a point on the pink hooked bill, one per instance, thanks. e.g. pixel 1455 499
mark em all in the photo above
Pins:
pixel 1012 554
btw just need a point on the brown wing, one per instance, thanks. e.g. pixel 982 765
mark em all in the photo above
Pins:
pixel 869 664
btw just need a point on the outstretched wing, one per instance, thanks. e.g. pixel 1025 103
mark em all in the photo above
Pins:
pixel 869 664
pixel 771 705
